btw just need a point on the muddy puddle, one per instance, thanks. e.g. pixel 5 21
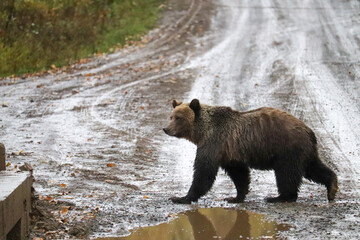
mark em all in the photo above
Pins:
pixel 210 223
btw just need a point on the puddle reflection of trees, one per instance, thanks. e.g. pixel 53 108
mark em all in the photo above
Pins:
pixel 211 223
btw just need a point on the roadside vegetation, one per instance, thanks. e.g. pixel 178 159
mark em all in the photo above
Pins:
pixel 39 34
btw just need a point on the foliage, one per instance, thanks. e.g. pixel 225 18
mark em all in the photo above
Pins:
pixel 34 34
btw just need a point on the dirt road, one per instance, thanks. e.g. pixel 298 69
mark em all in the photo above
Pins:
pixel 93 132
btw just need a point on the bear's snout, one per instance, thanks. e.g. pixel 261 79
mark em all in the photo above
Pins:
pixel 166 130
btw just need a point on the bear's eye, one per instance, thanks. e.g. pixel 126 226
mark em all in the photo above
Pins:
pixel 177 118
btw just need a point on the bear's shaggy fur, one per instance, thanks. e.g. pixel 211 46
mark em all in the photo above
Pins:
pixel 265 138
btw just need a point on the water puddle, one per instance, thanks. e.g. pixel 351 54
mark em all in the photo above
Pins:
pixel 210 223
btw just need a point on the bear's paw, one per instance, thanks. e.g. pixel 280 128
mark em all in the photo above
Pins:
pixel 181 200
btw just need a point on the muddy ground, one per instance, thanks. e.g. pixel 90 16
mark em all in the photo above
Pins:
pixel 92 131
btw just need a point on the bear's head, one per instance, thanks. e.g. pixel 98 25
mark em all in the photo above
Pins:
pixel 182 119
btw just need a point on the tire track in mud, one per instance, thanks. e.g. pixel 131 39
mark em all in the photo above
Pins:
pixel 336 109
pixel 135 128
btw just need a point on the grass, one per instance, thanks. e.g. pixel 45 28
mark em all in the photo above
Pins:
pixel 35 34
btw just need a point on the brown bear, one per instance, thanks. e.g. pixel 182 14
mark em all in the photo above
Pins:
pixel 265 139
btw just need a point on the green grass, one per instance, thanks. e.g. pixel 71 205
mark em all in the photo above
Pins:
pixel 34 34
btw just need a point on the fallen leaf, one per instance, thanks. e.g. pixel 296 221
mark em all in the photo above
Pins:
pixel 48 198
pixel 64 211
pixel 63 185
pixel 65 220
pixel 145 197
pixel 110 165
pixel 141 108
pixel 53 66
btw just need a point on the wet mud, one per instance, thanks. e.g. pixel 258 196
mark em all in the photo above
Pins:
pixel 93 131
pixel 210 223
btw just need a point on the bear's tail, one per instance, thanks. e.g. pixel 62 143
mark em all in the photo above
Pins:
pixel 318 172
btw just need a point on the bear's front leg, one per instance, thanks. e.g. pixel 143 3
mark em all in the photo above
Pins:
pixel 205 171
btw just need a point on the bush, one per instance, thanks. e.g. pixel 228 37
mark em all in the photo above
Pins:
pixel 38 33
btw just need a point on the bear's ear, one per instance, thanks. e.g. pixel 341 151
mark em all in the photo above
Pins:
pixel 176 103
pixel 195 105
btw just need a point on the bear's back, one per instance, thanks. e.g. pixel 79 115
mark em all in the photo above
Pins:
pixel 259 133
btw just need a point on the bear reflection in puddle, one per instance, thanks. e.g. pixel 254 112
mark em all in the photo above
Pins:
pixel 210 223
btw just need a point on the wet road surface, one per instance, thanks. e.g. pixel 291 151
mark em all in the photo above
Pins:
pixel 210 223
pixel 93 132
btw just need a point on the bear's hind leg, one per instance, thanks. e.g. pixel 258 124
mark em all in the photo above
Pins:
pixel 240 175
pixel 288 182
pixel 320 173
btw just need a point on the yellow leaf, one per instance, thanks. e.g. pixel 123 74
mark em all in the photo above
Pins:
pixel 145 197
pixel 110 165
pixel 63 185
